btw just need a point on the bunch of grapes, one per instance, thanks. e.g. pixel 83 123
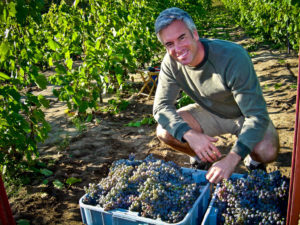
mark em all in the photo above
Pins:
pixel 154 188
pixel 257 198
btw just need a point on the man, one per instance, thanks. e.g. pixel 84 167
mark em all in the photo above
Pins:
pixel 219 76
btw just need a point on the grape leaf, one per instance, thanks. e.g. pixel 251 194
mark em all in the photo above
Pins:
pixel 58 184
pixel 46 172
pixel 73 180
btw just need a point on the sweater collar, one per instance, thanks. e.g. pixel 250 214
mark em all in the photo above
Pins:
pixel 206 48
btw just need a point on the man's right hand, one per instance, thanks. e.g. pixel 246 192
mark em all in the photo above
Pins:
pixel 202 145
pixel 223 168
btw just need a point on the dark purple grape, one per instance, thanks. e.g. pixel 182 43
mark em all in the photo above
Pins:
pixel 154 188
pixel 258 198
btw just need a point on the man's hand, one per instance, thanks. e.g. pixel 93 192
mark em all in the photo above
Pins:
pixel 223 169
pixel 202 145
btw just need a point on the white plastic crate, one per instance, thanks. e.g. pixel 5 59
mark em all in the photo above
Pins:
pixel 94 215
pixel 211 215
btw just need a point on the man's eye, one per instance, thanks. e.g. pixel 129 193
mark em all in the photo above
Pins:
pixel 169 45
pixel 181 38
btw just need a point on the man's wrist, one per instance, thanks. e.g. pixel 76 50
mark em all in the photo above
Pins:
pixel 240 149
pixel 183 132
pixel 188 135
pixel 234 158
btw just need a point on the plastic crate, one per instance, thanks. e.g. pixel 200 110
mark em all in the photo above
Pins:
pixel 93 215
pixel 211 215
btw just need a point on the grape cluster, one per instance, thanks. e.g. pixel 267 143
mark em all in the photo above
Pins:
pixel 257 198
pixel 154 188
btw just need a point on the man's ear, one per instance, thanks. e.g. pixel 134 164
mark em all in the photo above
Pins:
pixel 195 35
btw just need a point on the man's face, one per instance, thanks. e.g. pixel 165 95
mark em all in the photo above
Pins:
pixel 181 44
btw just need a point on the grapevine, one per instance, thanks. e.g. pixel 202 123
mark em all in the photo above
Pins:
pixel 154 188
pixel 258 198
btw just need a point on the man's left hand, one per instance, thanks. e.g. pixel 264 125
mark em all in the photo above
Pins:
pixel 223 169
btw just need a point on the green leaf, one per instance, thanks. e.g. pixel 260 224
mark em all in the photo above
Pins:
pixel 76 100
pixel 55 92
pixel 14 94
pixel 134 124
pixel 70 90
pixel 24 54
pixel 123 105
pixel 75 3
pixel 38 115
pixel 83 106
pixel 58 184
pixel 53 45
pixel 106 79
pixel 119 78
pixel 46 172
pixel 12 9
pixel 98 42
pixel 74 36
pixel 23 222
pixel 21 72
pixel 50 61
pixel 60 69
pixel 4 15
pixel 67 54
pixel 3 76
pixel 69 63
pixel 43 101
pixel 41 81
pixel 277 86
pixel 73 180
pixel 138 124
pixel 89 118
pixel 46 181
pixel 4 48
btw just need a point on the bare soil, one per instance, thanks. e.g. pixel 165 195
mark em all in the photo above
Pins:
pixel 88 154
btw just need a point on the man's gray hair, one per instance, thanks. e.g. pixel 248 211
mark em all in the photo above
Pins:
pixel 166 17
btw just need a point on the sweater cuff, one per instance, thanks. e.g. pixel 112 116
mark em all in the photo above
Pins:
pixel 241 149
pixel 181 131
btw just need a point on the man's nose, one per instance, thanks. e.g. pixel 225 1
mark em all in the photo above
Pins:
pixel 177 47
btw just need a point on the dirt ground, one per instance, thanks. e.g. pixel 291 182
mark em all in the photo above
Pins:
pixel 88 154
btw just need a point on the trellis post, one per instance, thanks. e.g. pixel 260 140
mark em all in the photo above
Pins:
pixel 294 193
pixel 6 217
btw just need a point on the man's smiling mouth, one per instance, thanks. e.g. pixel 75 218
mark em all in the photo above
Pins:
pixel 183 54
